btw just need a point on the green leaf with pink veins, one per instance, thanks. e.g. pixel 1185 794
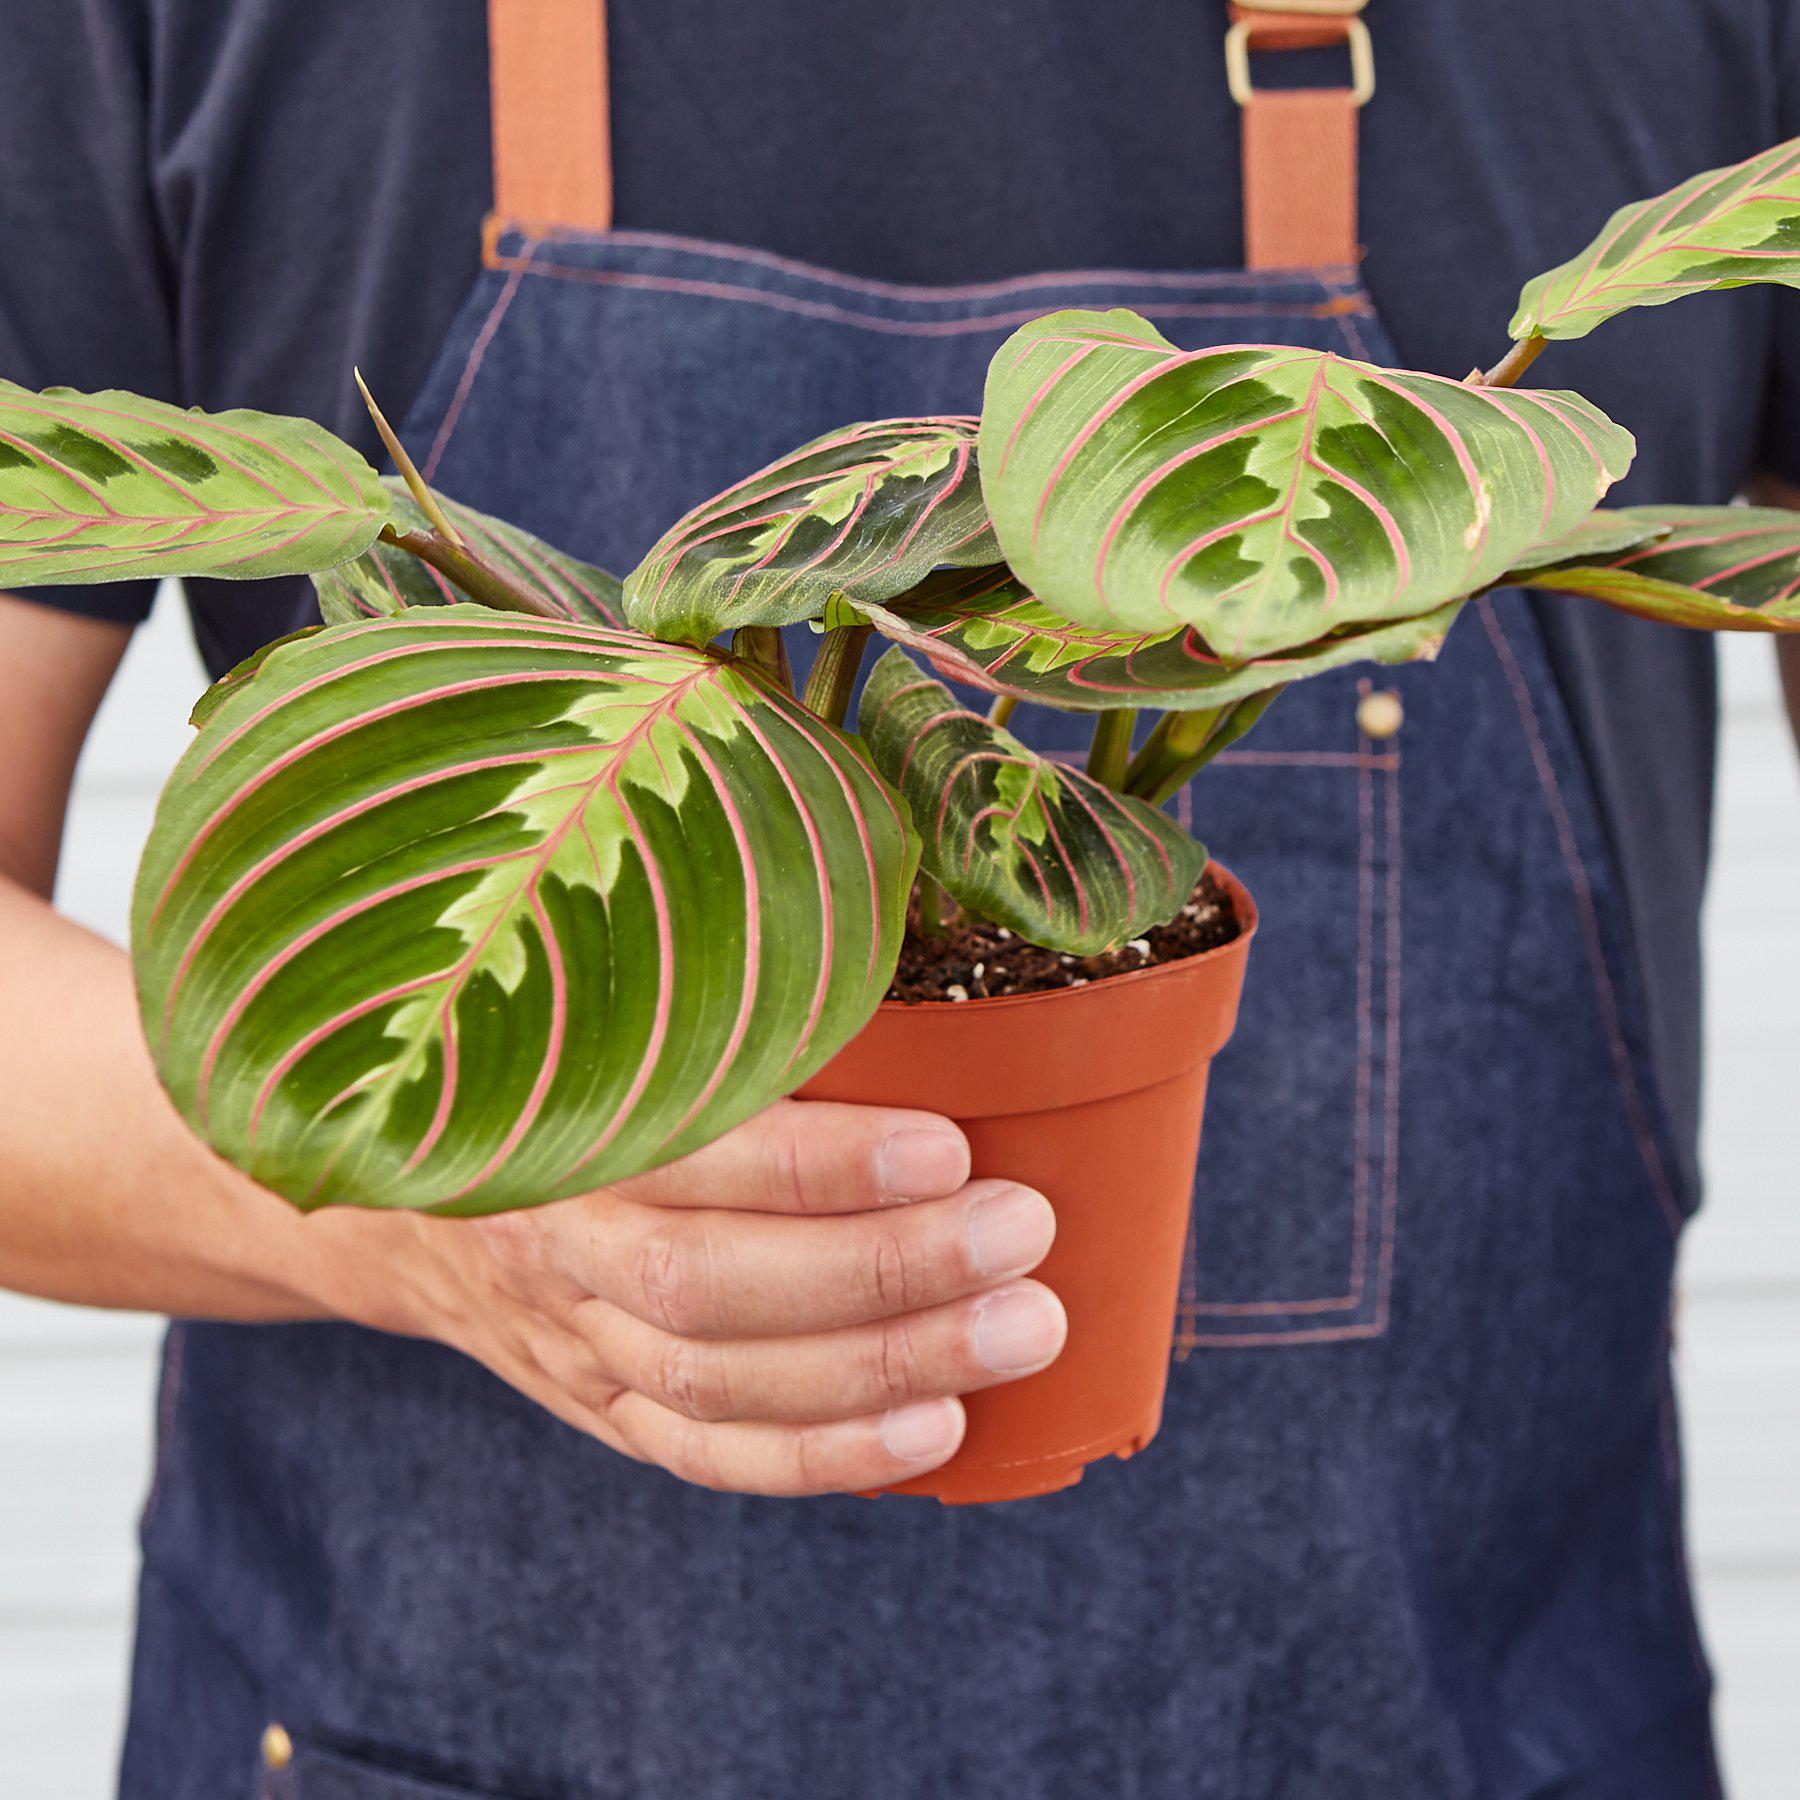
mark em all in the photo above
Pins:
pixel 1712 568
pixel 113 487
pixel 985 628
pixel 1727 228
pixel 1031 844
pixel 1268 496
pixel 859 514
pixel 387 579
pixel 1603 533
pixel 461 911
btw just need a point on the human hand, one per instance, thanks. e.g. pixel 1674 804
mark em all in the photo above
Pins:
pixel 791 1310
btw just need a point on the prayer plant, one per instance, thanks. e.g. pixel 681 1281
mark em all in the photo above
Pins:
pixel 511 879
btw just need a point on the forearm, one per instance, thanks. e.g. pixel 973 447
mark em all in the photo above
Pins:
pixel 105 1196
pixel 1788 650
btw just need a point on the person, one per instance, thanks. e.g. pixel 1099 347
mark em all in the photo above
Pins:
pixel 562 1502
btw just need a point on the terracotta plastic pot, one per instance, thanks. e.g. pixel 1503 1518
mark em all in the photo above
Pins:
pixel 1092 1095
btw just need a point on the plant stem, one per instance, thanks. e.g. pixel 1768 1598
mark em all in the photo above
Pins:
pixel 1109 755
pixel 1186 751
pixel 834 672
pixel 1506 372
pixel 931 906
pixel 1003 708
pixel 1176 739
pixel 767 648
pixel 1175 778
pixel 443 547
pixel 479 579
pixel 415 482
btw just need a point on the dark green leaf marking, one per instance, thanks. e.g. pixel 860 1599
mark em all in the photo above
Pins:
pixel 461 911
pixel 859 515
pixel 1265 496
pixel 1038 847
pixel 109 487
pixel 1731 227
pixel 1713 568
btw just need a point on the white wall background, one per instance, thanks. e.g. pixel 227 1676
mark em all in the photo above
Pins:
pixel 75 1388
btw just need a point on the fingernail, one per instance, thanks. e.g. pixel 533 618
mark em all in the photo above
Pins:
pixel 922 1162
pixel 922 1431
pixel 1010 1228
pixel 1017 1331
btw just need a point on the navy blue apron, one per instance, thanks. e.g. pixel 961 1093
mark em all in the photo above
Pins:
pixel 1411 1529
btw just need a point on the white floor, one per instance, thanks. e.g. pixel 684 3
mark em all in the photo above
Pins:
pixel 75 1388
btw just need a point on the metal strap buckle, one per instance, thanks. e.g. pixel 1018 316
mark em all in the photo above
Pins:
pixel 1356 36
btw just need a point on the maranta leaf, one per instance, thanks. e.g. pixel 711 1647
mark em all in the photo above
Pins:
pixel 112 487
pixel 462 911
pixel 386 579
pixel 1714 568
pixel 865 512
pixel 1029 843
pixel 1732 227
pixel 983 627
pixel 1267 496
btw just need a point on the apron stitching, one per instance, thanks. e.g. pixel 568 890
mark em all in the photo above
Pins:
pixel 1278 1340
pixel 477 353
pixel 1390 1183
pixel 1588 912
pixel 1365 1039
pixel 840 315
pixel 1365 1013
pixel 1235 1309
pixel 1192 1308
pixel 1315 759
pixel 1327 280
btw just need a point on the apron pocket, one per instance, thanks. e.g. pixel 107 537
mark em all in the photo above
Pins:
pixel 1296 1192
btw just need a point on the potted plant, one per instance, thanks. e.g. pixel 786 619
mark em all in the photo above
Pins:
pixel 511 879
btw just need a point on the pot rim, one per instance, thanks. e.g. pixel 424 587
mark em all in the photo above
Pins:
pixel 1243 905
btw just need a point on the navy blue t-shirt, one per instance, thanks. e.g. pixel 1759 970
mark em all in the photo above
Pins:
pixel 231 202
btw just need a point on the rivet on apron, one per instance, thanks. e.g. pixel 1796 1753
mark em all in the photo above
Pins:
pixel 277 1747
pixel 1379 713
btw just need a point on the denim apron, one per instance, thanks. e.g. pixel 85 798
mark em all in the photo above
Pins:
pixel 1411 1528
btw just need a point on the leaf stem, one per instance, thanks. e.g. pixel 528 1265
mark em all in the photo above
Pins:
pixel 767 648
pixel 1005 705
pixel 1176 738
pixel 834 672
pixel 1109 754
pixel 1185 752
pixel 443 547
pixel 1506 372
pixel 931 906
pixel 415 482
pixel 479 579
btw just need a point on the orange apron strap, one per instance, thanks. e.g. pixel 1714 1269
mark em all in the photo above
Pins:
pixel 553 137
pixel 1299 143
pixel 552 130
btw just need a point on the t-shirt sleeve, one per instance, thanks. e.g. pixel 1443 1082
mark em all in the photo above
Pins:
pixel 84 281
